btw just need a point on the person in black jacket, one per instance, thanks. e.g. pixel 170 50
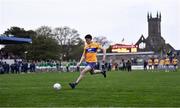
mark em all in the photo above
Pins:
pixel 128 65
pixel 145 64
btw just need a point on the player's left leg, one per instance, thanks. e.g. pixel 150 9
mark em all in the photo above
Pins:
pixel 82 74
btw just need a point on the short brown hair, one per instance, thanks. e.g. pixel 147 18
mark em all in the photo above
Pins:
pixel 88 36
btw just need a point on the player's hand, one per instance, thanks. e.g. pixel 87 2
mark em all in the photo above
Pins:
pixel 78 64
pixel 103 60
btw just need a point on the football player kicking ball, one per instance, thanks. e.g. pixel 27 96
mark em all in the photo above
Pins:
pixel 89 54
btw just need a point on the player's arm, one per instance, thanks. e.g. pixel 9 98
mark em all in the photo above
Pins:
pixel 104 54
pixel 82 58
pixel 104 51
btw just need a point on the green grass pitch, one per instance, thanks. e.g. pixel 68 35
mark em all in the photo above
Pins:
pixel 124 89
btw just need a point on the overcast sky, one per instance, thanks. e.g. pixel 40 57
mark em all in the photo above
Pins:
pixel 115 19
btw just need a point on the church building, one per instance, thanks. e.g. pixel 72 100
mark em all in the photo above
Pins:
pixel 154 42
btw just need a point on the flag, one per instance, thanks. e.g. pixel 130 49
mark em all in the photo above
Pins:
pixel 122 40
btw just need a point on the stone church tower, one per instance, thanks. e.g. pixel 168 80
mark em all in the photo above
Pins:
pixel 154 41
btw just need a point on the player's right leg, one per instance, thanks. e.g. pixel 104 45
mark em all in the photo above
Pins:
pixel 82 74
pixel 167 68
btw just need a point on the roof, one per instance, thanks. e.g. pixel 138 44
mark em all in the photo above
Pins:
pixel 115 46
pixel 14 40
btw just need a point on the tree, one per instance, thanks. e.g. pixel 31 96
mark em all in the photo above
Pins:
pixel 18 49
pixel 47 43
pixel 68 40
pixel 103 41
pixel 44 31
pixel 43 46
pixel 109 50
pixel 77 50
pixel 17 32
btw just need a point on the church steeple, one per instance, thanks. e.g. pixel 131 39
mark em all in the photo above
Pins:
pixel 154 25
pixel 148 15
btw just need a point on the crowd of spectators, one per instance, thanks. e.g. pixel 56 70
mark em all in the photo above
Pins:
pixel 17 67
pixel 123 63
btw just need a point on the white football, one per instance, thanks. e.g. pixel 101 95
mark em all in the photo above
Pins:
pixel 57 86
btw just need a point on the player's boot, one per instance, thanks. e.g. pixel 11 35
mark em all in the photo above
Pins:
pixel 72 85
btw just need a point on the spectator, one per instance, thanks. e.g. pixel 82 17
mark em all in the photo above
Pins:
pixel 6 67
pixel 116 66
pixel 12 66
pixel 128 65
pixel 16 67
pixel 67 67
pixel 32 67
pixel 124 65
pixel 109 66
pixel 145 65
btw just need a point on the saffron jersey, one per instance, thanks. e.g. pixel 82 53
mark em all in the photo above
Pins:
pixel 90 51
pixel 156 61
pixel 167 61
pixel 150 62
